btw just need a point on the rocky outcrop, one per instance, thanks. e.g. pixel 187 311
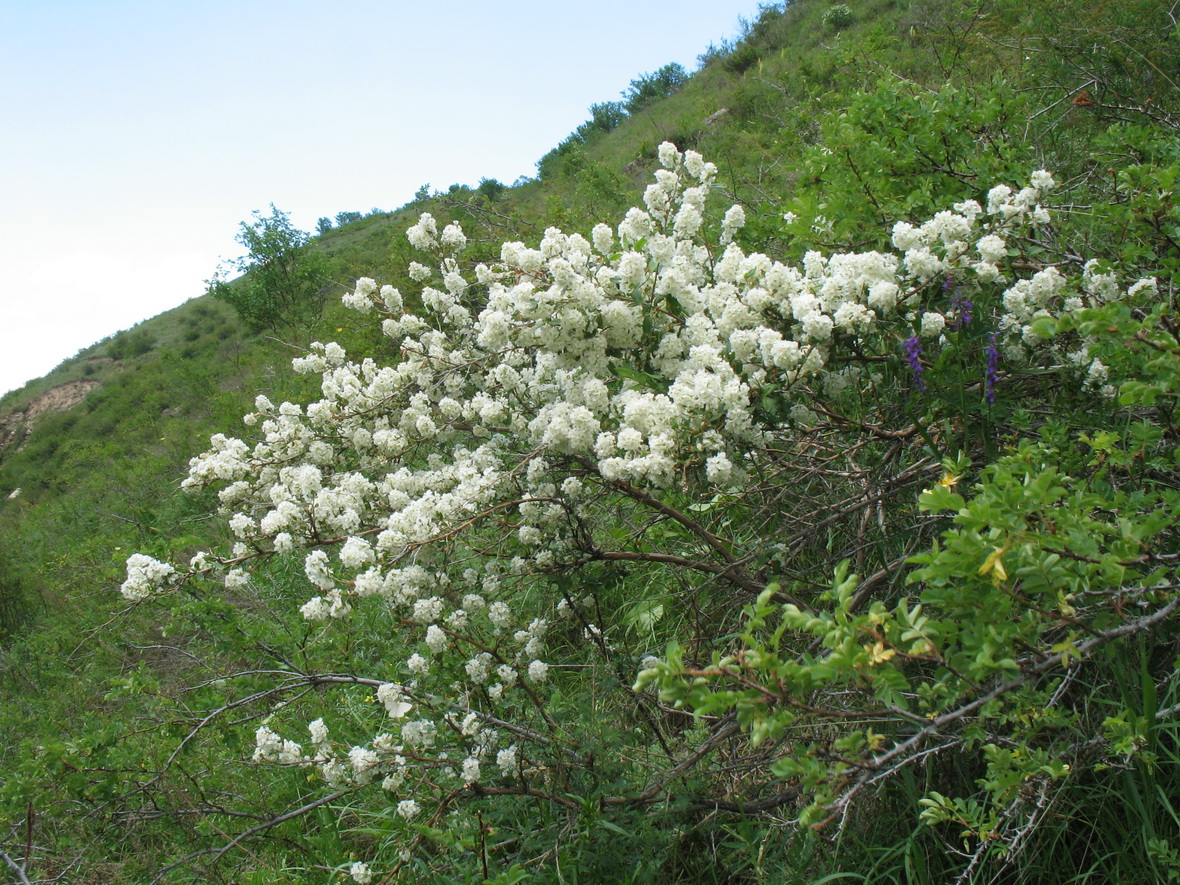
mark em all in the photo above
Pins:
pixel 16 426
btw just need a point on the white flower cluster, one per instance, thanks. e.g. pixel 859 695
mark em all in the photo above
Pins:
pixel 145 576
pixel 269 747
pixel 526 388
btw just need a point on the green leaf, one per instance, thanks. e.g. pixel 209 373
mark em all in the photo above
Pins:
pixel 940 498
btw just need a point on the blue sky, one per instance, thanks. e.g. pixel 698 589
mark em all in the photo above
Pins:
pixel 137 134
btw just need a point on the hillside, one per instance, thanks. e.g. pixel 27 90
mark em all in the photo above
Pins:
pixel 829 536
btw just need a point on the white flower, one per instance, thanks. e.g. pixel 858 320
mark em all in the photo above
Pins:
pixel 408 808
pixel 470 773
pixel 997 197
pixel 1147 284
pixel 906 236
pixel 718 469
pixel 358 300
pixel 507 675
pixel 419 733
pixel 688 221
pixel 318 731
pixel 506 759
pixel 471 725
pixel 932 324
pixel 356 553
pixel 452 237
pixel 923 264
pixel 338 606
pixel 669 156
pixel 269 747
pixel 883 295
pixel 333 771
pixel 236 579
pixel 315 564
pixel 457 619
pixel 817 326
pixel 735 219
pixel 499 613
pixel 428 609
pixel 422 235
pixel 992 249
pixel 360 873
pixel 603 237
pixel 538 671
pixel 436 639
pixel 477 667
pixel 1042 181
pixel 315 609
pixel 145 576
pixel 853 317
pixel 363 761
pixel 1096 375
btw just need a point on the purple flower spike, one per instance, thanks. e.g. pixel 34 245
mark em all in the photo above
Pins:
pixel 961 308
pixel 993 364
pixel 913 355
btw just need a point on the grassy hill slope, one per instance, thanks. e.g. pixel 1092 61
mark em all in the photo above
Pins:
pixel 127 731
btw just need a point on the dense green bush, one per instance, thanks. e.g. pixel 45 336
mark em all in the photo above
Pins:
pixel 130 344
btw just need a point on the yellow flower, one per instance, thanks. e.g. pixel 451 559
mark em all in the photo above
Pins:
pixel 995 565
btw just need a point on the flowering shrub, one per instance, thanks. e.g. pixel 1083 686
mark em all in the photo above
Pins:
pixel 652 401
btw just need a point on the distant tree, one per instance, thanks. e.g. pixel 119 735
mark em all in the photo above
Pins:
pixel 839 17
pixel 548 165
pixel 604 117
pixel 423 193
pixel 714 52
pixel 490 189
pixel 323 225
pixel 343 218
pixel 284 282
pixel 650 88
pixel 376 211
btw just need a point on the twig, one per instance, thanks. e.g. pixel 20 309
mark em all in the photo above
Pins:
pixel 16 868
